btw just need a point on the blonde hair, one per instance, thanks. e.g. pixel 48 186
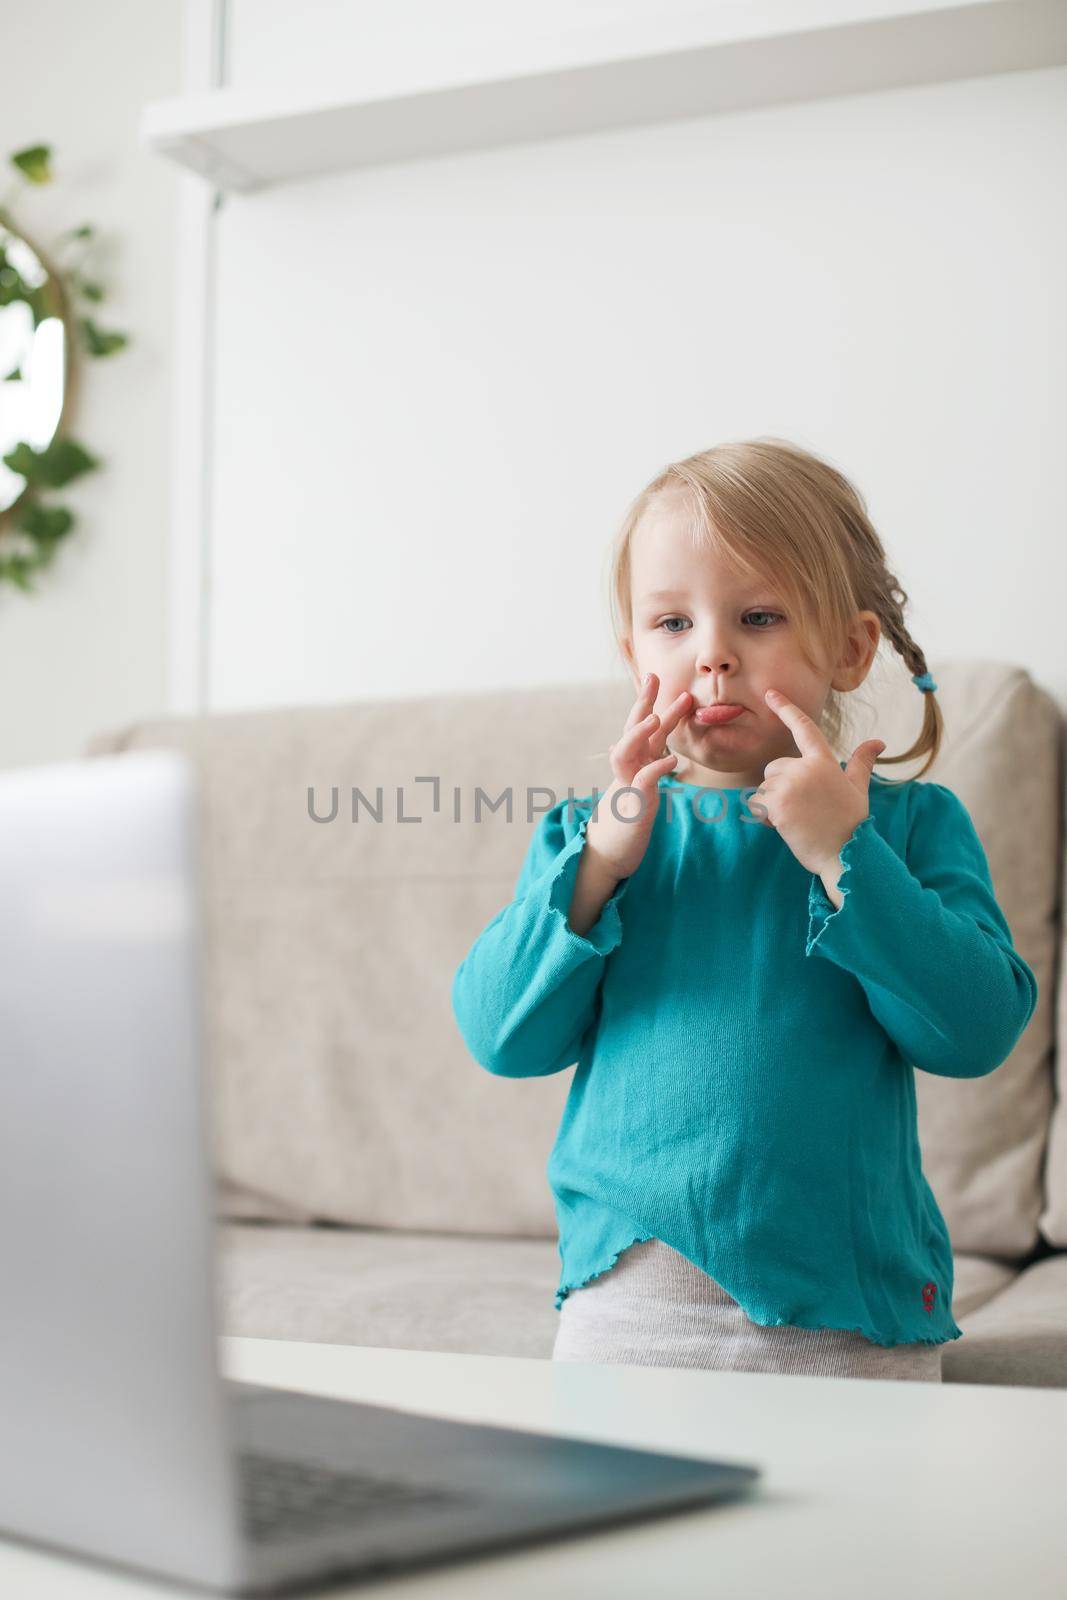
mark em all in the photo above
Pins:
pixel 770 509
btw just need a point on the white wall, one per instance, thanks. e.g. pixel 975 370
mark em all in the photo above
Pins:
pixel 439 383
pixel 88 650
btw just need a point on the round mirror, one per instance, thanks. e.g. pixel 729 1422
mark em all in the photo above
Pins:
pixel 34 354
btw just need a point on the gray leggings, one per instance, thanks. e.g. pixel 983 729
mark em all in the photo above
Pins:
pixel 654 1308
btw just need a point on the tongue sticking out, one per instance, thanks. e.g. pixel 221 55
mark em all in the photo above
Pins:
pixel 712 716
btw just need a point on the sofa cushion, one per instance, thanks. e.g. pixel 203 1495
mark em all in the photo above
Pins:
pixel 976 1280
pixel 342 1090
pixel 1054 1217
pixel 1019 1336
pixel 434 1291
pixel 480 1295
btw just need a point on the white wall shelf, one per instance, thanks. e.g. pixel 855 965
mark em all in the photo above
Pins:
pixel 729 56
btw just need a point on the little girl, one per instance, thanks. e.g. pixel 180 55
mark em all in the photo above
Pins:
pixel 747 945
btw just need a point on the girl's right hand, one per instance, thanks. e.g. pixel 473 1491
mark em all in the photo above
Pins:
pixel 638 763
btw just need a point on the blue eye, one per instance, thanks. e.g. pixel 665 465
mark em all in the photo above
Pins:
pixel 666 620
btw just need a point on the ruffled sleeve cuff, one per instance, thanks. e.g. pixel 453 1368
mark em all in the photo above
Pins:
pixel 606 932
pixel 822 913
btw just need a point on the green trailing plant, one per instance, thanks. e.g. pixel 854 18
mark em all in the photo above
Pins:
pixel 35 522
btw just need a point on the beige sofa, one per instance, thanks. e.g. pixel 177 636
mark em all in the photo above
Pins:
pixel 375 1185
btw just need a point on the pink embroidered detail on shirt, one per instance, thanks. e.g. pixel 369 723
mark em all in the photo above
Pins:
pixel 929 1291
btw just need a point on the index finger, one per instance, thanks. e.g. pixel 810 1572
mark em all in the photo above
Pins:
pixel 810 739
pixel 645 699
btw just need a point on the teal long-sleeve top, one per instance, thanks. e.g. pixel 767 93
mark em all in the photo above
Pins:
pixel 745 1088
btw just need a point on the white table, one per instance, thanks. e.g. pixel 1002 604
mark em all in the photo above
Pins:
pixel 870 1488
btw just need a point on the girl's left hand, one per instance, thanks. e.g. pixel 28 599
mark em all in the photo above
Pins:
pixel 813 804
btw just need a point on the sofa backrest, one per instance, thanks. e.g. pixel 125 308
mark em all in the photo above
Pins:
pixel 341 1088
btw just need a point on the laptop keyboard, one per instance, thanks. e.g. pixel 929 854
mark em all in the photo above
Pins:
pixel 282 1498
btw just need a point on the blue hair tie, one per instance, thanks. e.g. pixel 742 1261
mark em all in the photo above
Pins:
pixel 923 681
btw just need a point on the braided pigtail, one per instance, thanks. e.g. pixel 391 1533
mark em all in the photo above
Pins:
pixel 889 601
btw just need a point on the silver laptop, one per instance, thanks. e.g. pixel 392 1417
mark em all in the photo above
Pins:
pixel 121 1439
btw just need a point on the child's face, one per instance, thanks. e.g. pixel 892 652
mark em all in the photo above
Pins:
pixel 722 638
